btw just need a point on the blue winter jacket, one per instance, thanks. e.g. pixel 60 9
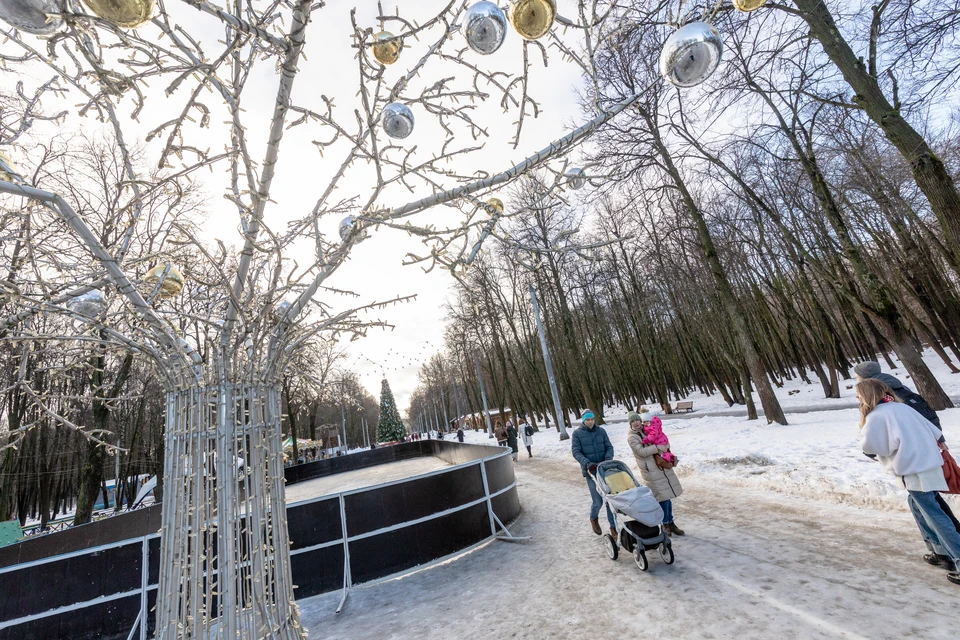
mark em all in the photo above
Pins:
pixel 591 446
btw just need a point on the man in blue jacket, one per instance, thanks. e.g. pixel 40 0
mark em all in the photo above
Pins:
pixel 591 445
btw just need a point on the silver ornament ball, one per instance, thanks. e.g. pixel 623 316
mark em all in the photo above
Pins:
pixel 576 178
pixel 31 15
pixel 397 120
pixel 89 304
pixel 485 27
pixel 691 54
pixel 346 226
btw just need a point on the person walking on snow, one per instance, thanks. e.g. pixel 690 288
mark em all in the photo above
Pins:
pixel 460 433
pixel 591 446
pixel 870 370
pixel 500 434
pixel 646 446
pixel 527 432
pixel 905 443
pixel 512 439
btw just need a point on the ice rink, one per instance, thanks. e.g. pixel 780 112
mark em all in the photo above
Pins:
pixel 362 478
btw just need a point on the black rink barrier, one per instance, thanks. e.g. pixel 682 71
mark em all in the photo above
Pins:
pixel 99 581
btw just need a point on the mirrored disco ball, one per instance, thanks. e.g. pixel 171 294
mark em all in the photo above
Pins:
pixel 496 204
pixel 280 310
pixel 172 283
pixel 31 15
pixel 397 120
pixel 123 13
pixel 485 27
pixel 89 304
pixel 576 178
pixel 346 226
pixel 532 19
pixel 386 49
pixel 691 54
pixel 748 5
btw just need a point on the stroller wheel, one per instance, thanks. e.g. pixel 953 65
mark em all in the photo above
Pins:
pixel 666 552
pixel 612 549
pixel 641 558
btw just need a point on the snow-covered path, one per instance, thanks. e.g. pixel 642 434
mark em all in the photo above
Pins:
pixel 753 565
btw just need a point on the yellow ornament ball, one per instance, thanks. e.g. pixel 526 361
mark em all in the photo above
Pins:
pixel 747 6
pixel 386 47
pixel 496 204
pixel 172 284
pixel 126 14
pixel 532 19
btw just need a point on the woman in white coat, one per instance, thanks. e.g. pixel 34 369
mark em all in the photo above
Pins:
pixel 906 445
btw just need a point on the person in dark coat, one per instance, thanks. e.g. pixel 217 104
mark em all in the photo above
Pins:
pixel 512 439
pixel 460 434
pixel 591 446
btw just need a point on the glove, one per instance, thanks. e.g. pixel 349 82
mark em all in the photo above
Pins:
pixel 592 469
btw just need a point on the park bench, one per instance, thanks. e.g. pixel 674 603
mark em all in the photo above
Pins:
pixel 686 406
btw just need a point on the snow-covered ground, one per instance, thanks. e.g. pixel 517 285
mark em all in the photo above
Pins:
pixel 791 533
pixel 814 456
pixel 753 566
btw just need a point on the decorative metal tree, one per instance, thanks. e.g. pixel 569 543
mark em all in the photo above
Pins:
pixel 225 564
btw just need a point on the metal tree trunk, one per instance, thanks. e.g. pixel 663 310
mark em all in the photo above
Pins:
pixel 225 555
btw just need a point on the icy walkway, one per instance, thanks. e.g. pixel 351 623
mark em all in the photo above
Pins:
pixel 362 478
pixel 753 565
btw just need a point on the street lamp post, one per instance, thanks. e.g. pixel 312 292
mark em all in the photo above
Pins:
pixel 483 395
pixel 561 423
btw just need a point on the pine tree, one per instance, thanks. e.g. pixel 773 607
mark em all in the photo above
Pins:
pixel 389 427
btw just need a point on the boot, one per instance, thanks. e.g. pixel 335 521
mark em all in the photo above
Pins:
pixel 595 525
pixel 938 560
pixel 673 529
pixel 954 577
pixel 613 534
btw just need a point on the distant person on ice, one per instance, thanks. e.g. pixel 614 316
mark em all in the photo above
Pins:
pixel 460 433
pixel 527 432
pixel 648 442
pixel 591 446
pixel 906 445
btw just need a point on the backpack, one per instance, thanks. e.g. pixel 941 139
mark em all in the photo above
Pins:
pixel 528 430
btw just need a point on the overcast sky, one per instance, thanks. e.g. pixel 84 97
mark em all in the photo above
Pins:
pixel 374 270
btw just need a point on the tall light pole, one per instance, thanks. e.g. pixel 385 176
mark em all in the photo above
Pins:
pixel 446 418
pixel 343 414
pixel 561 423
pixel 483 395
pixel 456 397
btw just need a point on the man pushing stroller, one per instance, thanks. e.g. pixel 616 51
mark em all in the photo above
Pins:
pixel 591 446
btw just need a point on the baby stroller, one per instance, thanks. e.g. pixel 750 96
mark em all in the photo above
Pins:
pixel 637 513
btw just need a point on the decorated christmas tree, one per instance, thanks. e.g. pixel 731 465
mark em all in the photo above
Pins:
pixel 389 426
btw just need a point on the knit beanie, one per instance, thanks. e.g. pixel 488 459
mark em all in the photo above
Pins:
pixel 646 416
pixel 633 415
pixel 867 369
pixel 587 415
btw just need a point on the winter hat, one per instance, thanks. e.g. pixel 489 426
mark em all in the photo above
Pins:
pixel 633 415
pixel 645 416
pixel 867 369
pixel 587 415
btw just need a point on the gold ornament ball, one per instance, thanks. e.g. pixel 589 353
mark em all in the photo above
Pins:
pixel 172 284
pixel 496 204
pixel 747 6
pixel 532 19
pixel 126 14
pixel 8 170
pixel 386 49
